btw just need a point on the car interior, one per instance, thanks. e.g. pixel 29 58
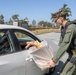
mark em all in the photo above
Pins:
pixel 4 44
pixel 23 43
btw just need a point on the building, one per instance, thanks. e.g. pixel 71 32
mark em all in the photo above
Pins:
pixel 21 23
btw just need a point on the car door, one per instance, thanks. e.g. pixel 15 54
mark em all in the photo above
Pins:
pixel 24 36
pixel 11 62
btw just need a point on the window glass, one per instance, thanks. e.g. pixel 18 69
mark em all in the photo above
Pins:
pixel 23 38
pixel 1 34
pixel 4 44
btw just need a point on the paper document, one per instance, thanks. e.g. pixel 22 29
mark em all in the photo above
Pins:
pixel 42 56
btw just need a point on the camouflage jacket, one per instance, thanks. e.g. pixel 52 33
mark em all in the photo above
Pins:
pixel 65 43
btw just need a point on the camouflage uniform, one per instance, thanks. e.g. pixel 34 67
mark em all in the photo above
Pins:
pixel 67 43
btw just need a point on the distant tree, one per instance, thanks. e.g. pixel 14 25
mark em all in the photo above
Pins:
pixel 45 24
pixel 1 19
pixel 15 17
pixel 31 26
pixel 26 19
pixel 34 22
pixel 41 23
pixel 10 22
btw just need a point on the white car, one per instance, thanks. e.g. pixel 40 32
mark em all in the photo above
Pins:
pixel 13 55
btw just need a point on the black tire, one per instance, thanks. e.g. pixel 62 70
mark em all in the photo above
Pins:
pixel 51 70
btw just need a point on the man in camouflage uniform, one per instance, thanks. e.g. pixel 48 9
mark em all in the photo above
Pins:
pixel 67 43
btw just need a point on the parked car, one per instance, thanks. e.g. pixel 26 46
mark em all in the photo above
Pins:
pixel 14 58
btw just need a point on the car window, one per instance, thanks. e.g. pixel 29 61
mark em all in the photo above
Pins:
pixel 4 44
pixel 23 38
pixel 1 34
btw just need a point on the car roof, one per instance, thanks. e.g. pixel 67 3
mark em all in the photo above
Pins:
pixel 5 26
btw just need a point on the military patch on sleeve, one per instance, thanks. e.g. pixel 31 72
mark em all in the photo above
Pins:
pixel 68 31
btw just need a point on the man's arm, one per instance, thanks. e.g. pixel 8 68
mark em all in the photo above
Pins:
pixel 65 43
pixel 60 41
pixel 33 43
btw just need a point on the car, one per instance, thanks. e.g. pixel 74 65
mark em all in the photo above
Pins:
pixel 14 58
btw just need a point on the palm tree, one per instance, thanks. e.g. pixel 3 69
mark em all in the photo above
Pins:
pixel 15 17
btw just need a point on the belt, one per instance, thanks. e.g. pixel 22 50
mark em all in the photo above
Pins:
pixel 73 51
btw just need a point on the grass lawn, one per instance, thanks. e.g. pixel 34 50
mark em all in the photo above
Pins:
pixel 42 31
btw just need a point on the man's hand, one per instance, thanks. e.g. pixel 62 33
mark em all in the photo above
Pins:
pixel 51 64
pixel 33 43
pixel 28 44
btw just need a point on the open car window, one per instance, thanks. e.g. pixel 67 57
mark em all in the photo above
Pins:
pixel 23 38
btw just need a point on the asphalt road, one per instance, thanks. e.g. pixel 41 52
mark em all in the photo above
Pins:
pixel 54 36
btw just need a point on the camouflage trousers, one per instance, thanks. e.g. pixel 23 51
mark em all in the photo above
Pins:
pixel 70 68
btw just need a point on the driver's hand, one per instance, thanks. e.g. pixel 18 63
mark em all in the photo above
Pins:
pixel 28 44
pixel 33 43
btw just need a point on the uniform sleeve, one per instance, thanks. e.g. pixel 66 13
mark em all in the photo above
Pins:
pixel 60 41
pixel 65 43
